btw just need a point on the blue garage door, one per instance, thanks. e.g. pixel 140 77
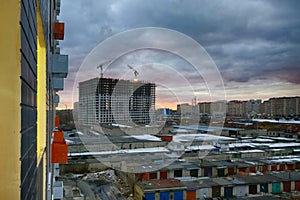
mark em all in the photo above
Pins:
pixel 208 171
pixel 164 196
pixel 178 195
pixel 150 196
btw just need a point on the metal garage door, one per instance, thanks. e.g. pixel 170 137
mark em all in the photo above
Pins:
pixel 287 186
pixel 178 195
pixel 216 191
pixel 194 173
pixel 164 196
pixel 264 188
pixel 203 192
pixel 228 192
pixel 297 185
pixel 231 171
pixel 252 169
pixel 150 196
pixel 153 175
pixel 221 172
pixel 252 189
pixel 265 168
pixel 178 173
pixel 191 194
pixel 163 175
pixel 276 188
pixel 241 190
pixel 208 171
pixel 282 167
pixel 274 168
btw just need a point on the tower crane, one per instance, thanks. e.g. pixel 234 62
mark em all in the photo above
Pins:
pixel 100 66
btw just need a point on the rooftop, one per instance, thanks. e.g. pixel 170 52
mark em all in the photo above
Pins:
pixel 167 184
pixel 200 137
pixel 207 128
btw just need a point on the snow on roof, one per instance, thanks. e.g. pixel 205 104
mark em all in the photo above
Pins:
pixel 277 145
pixel 200 147
pixel 280 145
pixel 251 163
pixel 246 137
pixel 152 126
pixel 279 138
pixel 79 133
pixel 146 150
pixel 125 151
pixel 206 128
pixel 69 141
pixel 237 145
pixel 180 131
pixel 285 160
pixel 122 125
pixel 262 140
pixel 144 137
pixel 199 137
pixel 252 151
pixel 277 121
pixel 275 150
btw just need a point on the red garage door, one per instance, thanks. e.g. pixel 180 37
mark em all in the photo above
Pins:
pixel 252 169
pixel 153 175
pixel 146 176
pixel 290 166
pixel 191 194
pixel 274 168
pixel 265 169
pixel 231 171
pixel 282 167
pixel 163 175
pixel 242 169
pixel 287 186
pixel 297 185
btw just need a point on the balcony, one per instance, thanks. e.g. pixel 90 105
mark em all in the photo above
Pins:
pixel 58 84
pixel 59 30
pixel 59 66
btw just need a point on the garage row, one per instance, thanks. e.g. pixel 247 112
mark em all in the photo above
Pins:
pixel 200 188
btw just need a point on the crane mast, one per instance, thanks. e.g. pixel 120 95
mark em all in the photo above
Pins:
pixel 100 66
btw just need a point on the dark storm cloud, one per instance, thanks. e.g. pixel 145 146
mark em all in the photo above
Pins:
pixel 249 39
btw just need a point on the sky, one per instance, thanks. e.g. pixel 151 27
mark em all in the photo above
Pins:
pixel 254 45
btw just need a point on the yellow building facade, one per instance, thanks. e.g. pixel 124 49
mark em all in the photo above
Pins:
pixel 27 98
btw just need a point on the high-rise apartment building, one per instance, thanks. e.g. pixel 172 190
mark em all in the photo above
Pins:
pixel 108 100
pixel 31 72
pixel 282 106
pixel 204 107
pixel 236 108
pixel 279 106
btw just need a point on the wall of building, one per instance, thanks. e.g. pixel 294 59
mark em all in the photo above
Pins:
pixel 10 90
pixel 26 98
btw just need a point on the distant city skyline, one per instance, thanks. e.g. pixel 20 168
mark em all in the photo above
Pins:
pixel 255 44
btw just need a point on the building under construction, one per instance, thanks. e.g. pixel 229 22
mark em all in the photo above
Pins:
pixel 108 101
